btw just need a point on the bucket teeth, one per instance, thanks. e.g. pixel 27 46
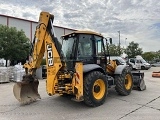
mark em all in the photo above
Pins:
pixel 29 100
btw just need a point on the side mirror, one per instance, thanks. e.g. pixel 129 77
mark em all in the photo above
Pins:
pixel 110 40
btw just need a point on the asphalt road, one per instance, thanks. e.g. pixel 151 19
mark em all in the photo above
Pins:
pixel 139 105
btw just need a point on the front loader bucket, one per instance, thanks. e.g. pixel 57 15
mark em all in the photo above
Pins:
pixel 26 92
pixel 138 81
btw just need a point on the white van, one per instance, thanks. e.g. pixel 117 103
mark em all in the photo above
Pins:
pixel 134 63
pixel 139 63
pixel 144 65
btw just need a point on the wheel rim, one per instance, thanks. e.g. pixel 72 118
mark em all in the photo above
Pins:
pixel 98 89
pixel 128 81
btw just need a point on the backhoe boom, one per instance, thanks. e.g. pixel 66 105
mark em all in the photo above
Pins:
pixel 44 40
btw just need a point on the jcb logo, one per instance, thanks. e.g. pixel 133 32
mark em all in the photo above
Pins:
pixel 49 54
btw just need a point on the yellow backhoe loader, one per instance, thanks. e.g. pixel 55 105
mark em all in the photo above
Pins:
pixel 79 67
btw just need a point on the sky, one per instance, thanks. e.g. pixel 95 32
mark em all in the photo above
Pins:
pixel 137 20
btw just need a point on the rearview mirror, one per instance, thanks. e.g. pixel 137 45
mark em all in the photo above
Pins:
pixel 110 40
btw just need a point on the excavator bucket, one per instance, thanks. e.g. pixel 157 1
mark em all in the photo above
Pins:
pixel 138 81
pixel 26 92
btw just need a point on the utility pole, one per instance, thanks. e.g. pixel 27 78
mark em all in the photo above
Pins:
pixel 119 42
pixel 126 45
pixel 125 42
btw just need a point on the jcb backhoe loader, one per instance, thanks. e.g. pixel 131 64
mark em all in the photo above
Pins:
pixel 79 67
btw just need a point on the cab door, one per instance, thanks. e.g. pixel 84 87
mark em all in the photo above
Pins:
pixel 100 52
pixel 85 49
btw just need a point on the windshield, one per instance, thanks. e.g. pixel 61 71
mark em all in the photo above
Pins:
pixel 143 61
pixel 67 47
pixel 121 60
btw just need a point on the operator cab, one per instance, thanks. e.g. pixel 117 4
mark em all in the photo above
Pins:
pixel 85 46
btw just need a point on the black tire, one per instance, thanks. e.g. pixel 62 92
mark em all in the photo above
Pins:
pixel 130 66
pixel 95 89
pixel 124 82
pixel 142 68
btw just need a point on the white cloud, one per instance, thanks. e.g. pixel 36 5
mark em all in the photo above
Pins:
pixel 137 20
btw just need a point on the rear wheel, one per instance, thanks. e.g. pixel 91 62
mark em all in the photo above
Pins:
pixel 124 82
pixel 95 88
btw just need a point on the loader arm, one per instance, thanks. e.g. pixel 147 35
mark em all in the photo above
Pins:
pixel 44 42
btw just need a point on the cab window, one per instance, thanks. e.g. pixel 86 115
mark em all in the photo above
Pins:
pixel 132 60
pixel 85 46
pixel 99 45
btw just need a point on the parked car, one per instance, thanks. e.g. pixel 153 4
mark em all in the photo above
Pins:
pixel 119 59
pixel 157 64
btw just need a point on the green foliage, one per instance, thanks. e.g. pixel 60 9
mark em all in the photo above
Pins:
pixel 133 49
pixel 157 56
pixel 114 50
pixel 149 56
pixel 14 45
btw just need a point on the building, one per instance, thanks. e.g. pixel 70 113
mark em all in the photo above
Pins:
pixel 29 26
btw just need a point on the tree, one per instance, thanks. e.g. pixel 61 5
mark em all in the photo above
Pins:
pixel 14 45
pixel 157 56
pixel 149 56
pixel 114 50
pixel 133 49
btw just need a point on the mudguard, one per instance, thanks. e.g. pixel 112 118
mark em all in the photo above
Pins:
pixel 90 67
pixel 120 68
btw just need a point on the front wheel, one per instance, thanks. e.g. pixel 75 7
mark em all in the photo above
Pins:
pixel 142 68
pixel 124 82
pixel 95 88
